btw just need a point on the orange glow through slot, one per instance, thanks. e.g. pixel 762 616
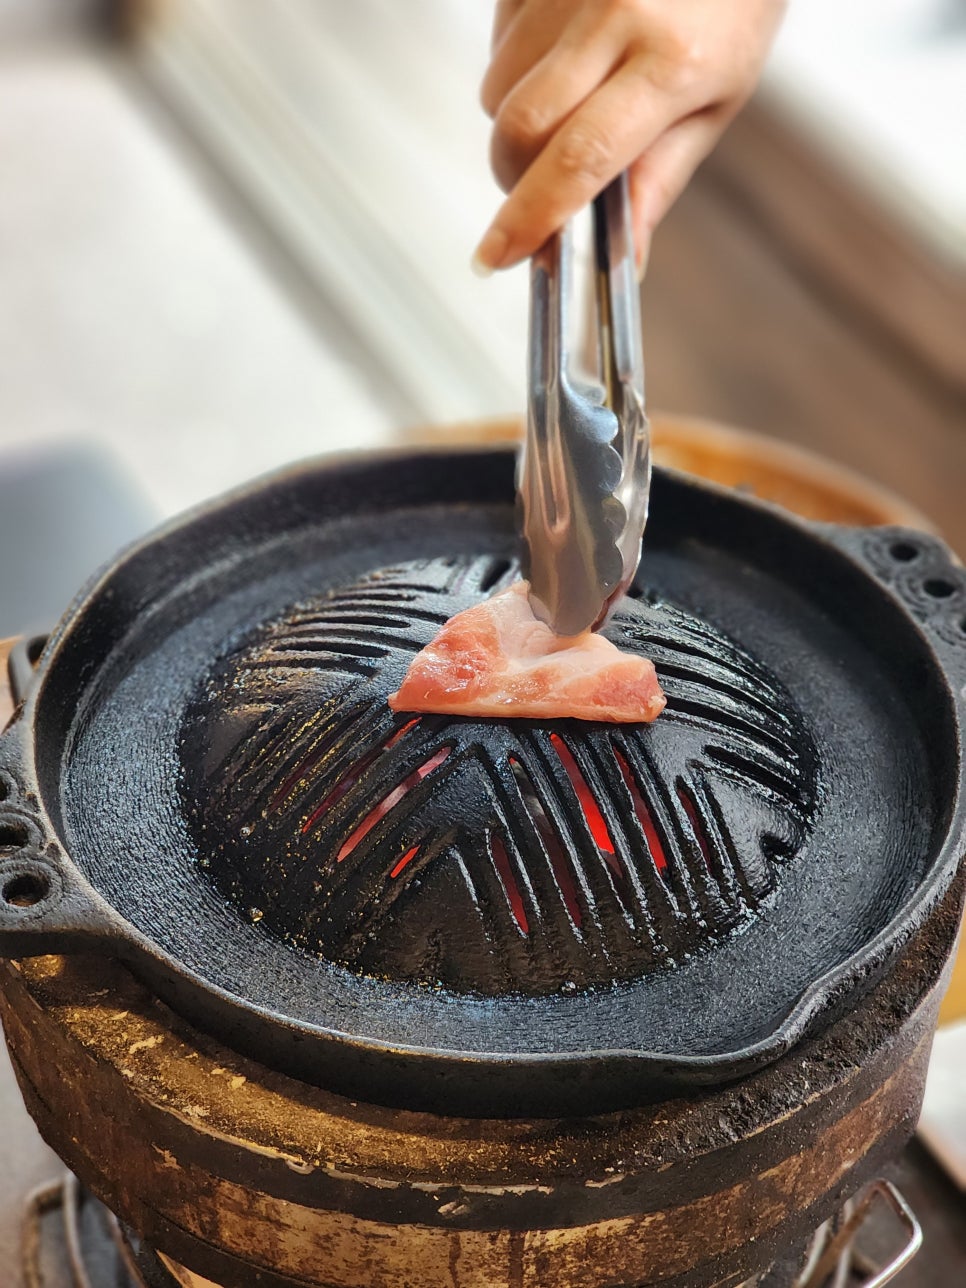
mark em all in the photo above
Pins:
pixel 400 733
pixel 643 813
pixel 303 767
pixel 339 790
pixel 405 861
pixel 559 859
pixel 345 782
pixel 379 812
pixel 588 804
pixel 505 868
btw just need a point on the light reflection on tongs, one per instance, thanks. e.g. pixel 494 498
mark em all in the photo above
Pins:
pixel 585 469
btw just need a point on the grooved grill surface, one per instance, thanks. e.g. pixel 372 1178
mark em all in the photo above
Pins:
pixel 478 854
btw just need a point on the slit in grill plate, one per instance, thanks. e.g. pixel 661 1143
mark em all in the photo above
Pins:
pixel 511 887
pixel 655 847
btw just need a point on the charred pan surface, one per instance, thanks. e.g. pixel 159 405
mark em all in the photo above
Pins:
pixel 483 855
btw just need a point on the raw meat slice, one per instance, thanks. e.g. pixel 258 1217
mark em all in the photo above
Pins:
pixel 497 659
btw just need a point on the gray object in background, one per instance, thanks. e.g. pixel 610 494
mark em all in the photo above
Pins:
pixel 63 512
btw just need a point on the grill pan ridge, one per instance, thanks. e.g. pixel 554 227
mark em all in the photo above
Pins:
pixel 571 856
pixel 860 632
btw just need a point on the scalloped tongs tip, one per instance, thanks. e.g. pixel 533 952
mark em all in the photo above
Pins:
pixel 585 469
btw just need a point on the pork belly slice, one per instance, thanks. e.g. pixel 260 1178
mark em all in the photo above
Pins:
pixel 498 659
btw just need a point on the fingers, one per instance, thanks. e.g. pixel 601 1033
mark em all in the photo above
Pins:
pixel 503 15
pixel 659 177
pixel 533 29
pixel 614 126
pixel 525 39
pixel 581 89
pixel 541 102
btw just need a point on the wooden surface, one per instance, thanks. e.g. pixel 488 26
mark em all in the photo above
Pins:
pixel 856 256
pixel 770 304
pixel 778 296
pixel 765 306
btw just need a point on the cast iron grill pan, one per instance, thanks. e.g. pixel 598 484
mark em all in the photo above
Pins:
pixel 207 741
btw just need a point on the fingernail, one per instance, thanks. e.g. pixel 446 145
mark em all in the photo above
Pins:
pixel 488 256
pixel 478 267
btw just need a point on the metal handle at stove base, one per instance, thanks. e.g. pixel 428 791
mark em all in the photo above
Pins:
pixel 66 1197
pixel 833 1262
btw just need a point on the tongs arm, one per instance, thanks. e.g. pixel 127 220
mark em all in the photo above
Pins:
pixel 621 363
pixel 585 468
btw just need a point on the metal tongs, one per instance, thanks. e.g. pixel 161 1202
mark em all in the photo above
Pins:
pixel 585 470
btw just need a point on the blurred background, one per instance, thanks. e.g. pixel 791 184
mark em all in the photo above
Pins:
pixel 237 232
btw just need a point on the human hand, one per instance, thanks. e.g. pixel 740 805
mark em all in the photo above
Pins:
pixel 580 90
